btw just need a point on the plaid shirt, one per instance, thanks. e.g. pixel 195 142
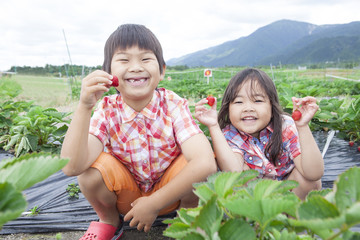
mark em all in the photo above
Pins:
pixel 253 149
pixel 145 142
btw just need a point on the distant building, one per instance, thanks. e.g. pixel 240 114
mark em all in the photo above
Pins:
pixel 6 73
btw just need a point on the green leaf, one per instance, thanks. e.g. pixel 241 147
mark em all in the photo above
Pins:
pixel 323 192
pixel 353 214
pixel 267 187
pixel 209 218
pixel 317 207
pixel 321 227
pixel 225 183
pixel 33 142
pixel 12 203
pixel 204 192
pixel 61 130
pixel 262 210
pixel 31 169
pixel 177 230
pixel 348 188
pixel 236 229
pixel 187 216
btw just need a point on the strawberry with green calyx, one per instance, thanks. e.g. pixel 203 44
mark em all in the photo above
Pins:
pixel 211 100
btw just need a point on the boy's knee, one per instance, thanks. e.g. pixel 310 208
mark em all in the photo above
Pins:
pixel 91 178
pixel 189 201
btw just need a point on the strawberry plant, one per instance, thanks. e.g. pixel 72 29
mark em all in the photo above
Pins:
pixel 235 206
pixel 18 174
pixel 37 130
pixel 73 190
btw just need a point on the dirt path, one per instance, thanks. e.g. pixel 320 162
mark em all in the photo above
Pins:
pixel 154 234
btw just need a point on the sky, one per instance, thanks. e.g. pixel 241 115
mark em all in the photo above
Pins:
pixel 33 32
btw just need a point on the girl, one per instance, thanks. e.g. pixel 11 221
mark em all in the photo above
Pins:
pixel 252 132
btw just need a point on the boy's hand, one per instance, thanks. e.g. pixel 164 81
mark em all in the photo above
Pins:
pixel 308 108
pixel 93 87
pixel 205 115
pixel 142 214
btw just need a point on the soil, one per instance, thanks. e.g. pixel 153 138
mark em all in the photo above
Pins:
pixel 130 234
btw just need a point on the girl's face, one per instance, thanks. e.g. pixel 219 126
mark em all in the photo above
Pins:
pixel 138 73
pixel 250 112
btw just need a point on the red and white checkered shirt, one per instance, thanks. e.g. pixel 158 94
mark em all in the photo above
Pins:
pixel 145 142
pixel 253 149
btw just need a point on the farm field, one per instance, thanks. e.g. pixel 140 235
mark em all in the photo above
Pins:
pixel 56 92
pixel 337 91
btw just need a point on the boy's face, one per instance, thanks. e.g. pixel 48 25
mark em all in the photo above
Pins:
pixel 139 74
pixel 250 112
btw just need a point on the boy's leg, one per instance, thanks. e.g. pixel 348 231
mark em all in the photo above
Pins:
pixel 305 186
pixel 109 187
pixel 101 199
pixel 190 199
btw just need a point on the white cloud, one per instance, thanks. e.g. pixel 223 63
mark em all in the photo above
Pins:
pixel 32 31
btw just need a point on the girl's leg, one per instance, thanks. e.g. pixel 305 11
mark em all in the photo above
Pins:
pixel 101 199
pixel 305 186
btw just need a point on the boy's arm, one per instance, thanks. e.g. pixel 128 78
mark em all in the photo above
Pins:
pixel 201 163
pixel 81 148
pixel 310 162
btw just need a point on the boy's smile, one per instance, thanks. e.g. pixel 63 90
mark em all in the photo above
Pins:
pixel 139 74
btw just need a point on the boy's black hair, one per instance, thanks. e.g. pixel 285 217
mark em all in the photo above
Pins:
pixel 129 35
pixel 256 76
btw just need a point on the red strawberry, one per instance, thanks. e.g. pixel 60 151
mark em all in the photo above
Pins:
pixel 115 81
pixel 211 100
pixel 296 115
pixel 351 143
pixel 359 148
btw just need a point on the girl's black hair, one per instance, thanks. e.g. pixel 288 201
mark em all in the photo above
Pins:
pixel 129 35
pixel 256 76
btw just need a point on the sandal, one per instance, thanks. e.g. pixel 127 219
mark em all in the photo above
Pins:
pixel 103 231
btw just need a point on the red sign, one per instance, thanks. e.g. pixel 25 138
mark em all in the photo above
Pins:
pixel 207 73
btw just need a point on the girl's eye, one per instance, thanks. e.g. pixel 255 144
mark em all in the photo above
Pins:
pixel 258 100
pixel 123 60
pixel 238 102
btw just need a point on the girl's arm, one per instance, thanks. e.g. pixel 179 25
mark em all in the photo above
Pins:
pixel 310 162
pixel 81 148
pixel 226 159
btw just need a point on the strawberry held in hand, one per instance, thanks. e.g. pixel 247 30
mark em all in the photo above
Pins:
pixel 115 81
pixel 211 100
pixel 296 115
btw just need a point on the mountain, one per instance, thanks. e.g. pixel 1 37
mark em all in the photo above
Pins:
pixel 285 41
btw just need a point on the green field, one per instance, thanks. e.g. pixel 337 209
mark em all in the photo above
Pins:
pixel 44 91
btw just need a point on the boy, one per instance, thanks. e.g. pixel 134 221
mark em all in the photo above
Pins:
pixel 141 151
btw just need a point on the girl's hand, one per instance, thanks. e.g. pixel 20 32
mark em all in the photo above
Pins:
pixel 93 87
pixel 308 108
pixel 142 214
pixel 205 115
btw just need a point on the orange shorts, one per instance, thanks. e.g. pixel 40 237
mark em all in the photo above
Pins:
pixel 118 179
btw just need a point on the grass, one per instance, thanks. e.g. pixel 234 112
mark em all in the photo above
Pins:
pixel 44 91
